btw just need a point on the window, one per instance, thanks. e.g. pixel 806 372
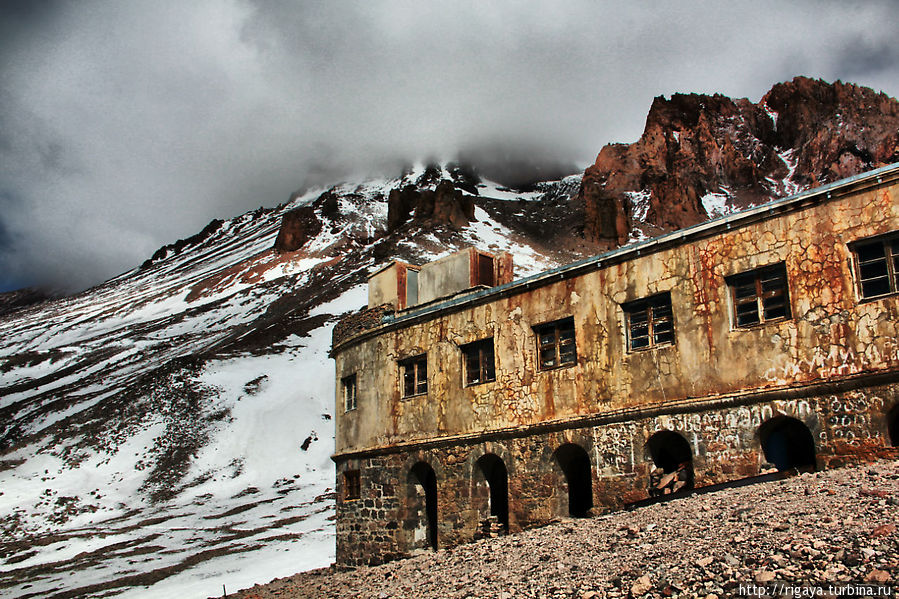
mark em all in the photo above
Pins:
pixel 877 264
pixel 478 362
pixel 555 344
pixel 415 375
pixel 411 287
pixel 649 321
pixel 485 270
pixel 352 485
pixel 348 383
pixel 760 295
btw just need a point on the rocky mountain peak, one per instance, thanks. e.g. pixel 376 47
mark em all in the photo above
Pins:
pixel 701 155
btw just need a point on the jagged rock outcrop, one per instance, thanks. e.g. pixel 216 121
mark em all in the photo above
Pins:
pixel 800 134
pixel 176 248
pixel 445 205
pixel 297 227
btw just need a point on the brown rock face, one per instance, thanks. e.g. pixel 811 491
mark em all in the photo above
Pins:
pixel 297 227
pixel 443 205
pixel 801 133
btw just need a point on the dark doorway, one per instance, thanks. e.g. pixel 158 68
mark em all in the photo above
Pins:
pixel 893 425
pixel 672 454
pixel 787 443
pixel 494 471
pixel 424 480
pixel 575 464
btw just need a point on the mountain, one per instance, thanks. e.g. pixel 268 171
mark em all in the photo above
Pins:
pixel 168 432
pixel 172 427
pixel 703 156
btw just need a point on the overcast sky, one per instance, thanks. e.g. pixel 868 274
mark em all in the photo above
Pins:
pixel 125 125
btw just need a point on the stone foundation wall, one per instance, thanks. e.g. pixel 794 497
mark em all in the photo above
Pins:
pixel 389 520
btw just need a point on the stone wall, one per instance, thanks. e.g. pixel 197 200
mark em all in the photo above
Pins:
pixel 389 519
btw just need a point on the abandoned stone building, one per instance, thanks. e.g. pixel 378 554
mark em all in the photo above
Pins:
pixel 469 401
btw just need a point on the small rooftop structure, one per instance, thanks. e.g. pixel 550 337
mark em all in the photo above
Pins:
pixel 406 285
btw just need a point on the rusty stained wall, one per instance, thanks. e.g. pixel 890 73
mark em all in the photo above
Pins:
pixel 724 443
pixel 831 333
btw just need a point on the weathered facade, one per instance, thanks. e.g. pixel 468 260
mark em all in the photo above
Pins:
pixel 768 337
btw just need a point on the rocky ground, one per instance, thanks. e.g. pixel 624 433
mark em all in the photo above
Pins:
pixel 816 529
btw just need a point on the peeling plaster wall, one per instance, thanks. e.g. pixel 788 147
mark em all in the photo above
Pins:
pixel 831 334
pixel 445 276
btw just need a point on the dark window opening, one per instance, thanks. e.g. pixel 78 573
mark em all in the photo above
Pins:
pixel 673 458
pixel 352 485
pixel 348 383
pixel 575 465
pixel 485 271
pixel 424 485
pixel 494 472
pixel 877 264
pixel 555 344
pixel 479 362
pixel 787 443
pixel 893 425
pixel 415 375
pixel 760 295
pixel 649 321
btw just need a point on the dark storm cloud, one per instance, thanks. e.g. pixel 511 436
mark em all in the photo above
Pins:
pixel 124 126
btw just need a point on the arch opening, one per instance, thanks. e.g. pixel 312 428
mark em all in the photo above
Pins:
pixel 673 458
pixel 423 481
pixel 575 465
pixel 787 443
pixel 893 425
pixel 497 477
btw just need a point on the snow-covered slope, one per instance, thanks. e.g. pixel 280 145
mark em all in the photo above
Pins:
pixel 168 433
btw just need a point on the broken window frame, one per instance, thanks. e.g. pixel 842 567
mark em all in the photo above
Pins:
pixel 352 485
pixel 652 314
pixel 478 362
pixel 485 270
pixel 887 261
pixel 556 338
pixel 760 296
pixel 414 376
pixel 348 385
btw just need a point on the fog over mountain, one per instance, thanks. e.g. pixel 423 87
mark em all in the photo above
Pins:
pixel 124 126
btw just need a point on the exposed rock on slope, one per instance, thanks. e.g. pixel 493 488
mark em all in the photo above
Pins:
pixel 297 227
pixel 11 301
pixel 701 156
pixel 437 203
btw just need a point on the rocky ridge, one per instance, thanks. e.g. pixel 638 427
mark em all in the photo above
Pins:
pixel 701 156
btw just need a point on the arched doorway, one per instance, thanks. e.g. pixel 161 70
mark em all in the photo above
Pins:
pixel 671 453
pixel 893 425
pixel 494 471
pixel 787 443
pixel 423 496
pixel 575 464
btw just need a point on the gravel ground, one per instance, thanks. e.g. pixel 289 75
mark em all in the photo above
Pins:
pixel 814 528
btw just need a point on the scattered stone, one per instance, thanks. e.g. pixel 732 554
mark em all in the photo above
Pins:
pixel 642 586
pixel 763 576
pixel 878 576
pixel 883 530
pixel 699 546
